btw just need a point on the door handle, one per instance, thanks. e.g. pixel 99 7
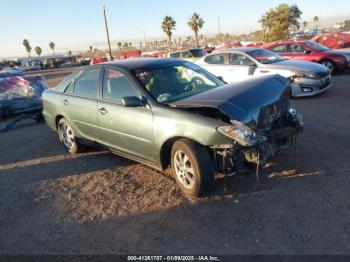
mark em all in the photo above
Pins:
pixel 103 110
pixel 264 71
pixel 65 102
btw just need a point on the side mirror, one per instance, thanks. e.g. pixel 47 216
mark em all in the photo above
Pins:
pixel 307 52
pixel 221 78
pixel 251 69
pixel 133 101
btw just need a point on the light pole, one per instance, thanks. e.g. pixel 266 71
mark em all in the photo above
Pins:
pixel 219 25
pixel 109 43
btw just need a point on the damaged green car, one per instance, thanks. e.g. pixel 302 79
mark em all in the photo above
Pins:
pixel 169 112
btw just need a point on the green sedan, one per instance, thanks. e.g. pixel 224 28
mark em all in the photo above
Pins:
pixel 172 113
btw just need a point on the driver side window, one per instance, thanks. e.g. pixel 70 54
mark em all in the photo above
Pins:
pixel 280 49
pixel 296 48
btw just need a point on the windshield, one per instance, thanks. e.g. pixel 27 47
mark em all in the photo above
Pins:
pixel 265 57
pixel 177 81
pixel 198 52
pixel 316 46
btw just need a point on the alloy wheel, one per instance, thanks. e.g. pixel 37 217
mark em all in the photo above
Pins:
pixel 66 135
pixel 184 169
pixel 329 65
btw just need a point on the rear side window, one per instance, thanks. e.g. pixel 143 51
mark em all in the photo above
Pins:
pixel 63 85
pixel 217 59
pixel 116 86
pixel 87 84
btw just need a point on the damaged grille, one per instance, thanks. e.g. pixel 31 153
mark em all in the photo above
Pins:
pixel 272 113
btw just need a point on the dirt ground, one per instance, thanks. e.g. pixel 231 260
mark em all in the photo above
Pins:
pixel 99 203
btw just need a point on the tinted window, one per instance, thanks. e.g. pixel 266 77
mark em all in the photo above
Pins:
pixel 175 55
pixel 198 52
pixel 87 84
pixel 237 59
pixel 215 59
pixel 316 46
pixel 280 49
pixel 116 86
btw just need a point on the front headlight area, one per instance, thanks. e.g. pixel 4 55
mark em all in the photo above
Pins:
pixel 312 75
pixel 240 133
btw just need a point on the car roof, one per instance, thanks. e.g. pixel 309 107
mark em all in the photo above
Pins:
pixel 289 41
pixel 239 49
pixel 135 63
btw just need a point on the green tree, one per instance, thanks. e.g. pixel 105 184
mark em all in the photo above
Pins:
pixel 69 52
pixel 278 22
pixel 195 23
pixel 38 50
pixel 168 25
pixel 27 47
pixel 125 46
pixel 52 46
pixel 120 45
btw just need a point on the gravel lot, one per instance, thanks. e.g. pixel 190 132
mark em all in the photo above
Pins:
pixel 99 203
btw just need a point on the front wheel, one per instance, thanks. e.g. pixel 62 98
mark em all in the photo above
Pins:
pixel 330 65
pixel 192 167
pixel 67 137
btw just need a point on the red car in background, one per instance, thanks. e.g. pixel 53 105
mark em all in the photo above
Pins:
pixel 335 60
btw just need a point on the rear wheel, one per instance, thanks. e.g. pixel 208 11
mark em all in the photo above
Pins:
pixel 192 167
pixel 329 64
pixel 67 137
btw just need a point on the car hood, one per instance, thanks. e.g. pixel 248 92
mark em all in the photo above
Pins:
pixel 255 103
pixel 297 65
pixel 338 52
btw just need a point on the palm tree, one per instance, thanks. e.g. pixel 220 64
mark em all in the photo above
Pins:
pixel 305 23
pixel 69 52
pixel 195 23
pixel 52 46
pixel 168 25
pixel 120 45
pixel 38 50
pixel 316 20
pixel 27 47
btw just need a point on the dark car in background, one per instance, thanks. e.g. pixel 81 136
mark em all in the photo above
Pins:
pixel 334 60
pixel 170 112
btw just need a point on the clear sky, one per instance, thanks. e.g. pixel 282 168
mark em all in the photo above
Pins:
pixel 77 24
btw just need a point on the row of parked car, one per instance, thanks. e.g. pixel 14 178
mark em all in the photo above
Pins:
pixel 307 64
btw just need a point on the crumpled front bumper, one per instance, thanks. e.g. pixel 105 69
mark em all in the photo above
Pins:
pixel 232 157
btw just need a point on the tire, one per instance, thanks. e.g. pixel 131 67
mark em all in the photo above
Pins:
pixel 192 167
pixel 330 65
pixel 67 137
